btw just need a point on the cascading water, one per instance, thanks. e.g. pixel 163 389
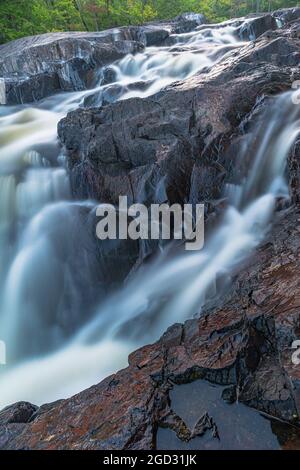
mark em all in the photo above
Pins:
pixel 52 351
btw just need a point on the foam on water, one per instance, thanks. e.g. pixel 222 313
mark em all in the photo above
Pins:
pixel 38 221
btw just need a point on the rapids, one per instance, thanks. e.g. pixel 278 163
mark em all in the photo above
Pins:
pixel 39 282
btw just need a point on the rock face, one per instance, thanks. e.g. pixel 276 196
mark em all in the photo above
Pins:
pixel 177 146
pixel 255 27
pixel 243 345
pixel 35 67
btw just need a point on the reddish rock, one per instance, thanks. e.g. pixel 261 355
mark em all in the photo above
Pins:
pixel 245 344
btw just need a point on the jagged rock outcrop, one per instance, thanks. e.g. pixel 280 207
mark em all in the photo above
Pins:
pixel 243 345
pixel 253 28
pixel 177 145
pixel 180 145
pixel 35 67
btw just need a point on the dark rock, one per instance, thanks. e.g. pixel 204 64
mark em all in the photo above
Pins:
pixel 176 146
pixel 287 15
pixel 187 22
pixel 154 35
pixel 294 172
pixel 108 75
pixel 204 424
pixel 35 67
pixel 253 28
pixel 19 413
pixel 229 394
pixel 245 343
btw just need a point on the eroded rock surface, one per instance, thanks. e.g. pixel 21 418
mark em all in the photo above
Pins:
pixel 35 67
pixel 245 344
pixel 180 145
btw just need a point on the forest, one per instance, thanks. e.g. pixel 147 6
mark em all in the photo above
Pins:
pixel 20 18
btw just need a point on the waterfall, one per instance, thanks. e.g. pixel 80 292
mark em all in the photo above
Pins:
pixel 47 271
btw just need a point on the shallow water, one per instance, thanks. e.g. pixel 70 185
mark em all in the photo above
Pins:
pixel 57 343
pixel 239 427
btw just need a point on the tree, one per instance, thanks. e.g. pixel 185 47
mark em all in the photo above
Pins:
pixel 27 17
pixel 78 6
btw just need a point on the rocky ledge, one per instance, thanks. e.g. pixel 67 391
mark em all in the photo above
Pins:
pixel 36 67
pixel 33 68
pixel 241 349
pixel 181 145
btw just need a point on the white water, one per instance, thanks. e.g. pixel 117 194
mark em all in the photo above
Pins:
pixel 36 227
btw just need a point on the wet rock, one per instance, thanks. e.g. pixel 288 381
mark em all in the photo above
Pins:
pixel 19 413
pixel 154 35
pixel 229 394
pixel 176 145
pixel 253 28
pixel 287 15
pixel 294 172
pixel 204 424
pixel 240 344
pixel 108 75
pixel 35 67
pixel 187 22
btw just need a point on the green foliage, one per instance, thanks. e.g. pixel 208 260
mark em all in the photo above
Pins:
pixel 20 18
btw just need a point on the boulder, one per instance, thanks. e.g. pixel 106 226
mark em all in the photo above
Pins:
pixel 181 145
pixel 251 29
pixel 286 15
pixel 20 412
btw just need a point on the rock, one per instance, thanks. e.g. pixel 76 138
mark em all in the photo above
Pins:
pixel 239 344
pixel 187 22
pixel 108 75
pixel 287 15
pixel 21 412
pixel 154 35
pixel 253 28
pixel 177 145
pixel 229 394
pixel 35 67
pixel 294 172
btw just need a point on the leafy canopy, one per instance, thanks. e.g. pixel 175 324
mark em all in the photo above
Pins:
pixel 20 18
